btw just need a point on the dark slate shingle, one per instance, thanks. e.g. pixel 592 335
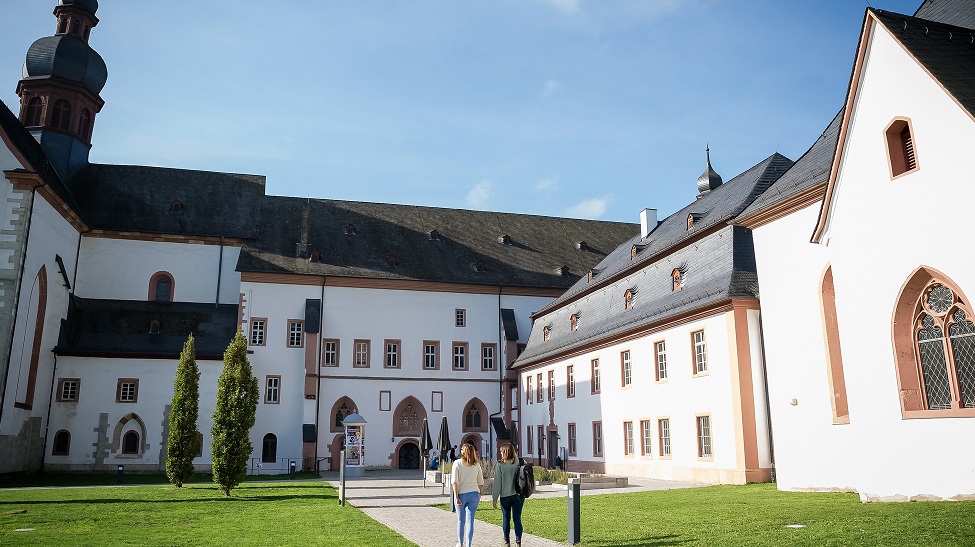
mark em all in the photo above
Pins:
pixel 950 12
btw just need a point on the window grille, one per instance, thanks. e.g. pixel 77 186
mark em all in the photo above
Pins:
pixel 628 438
pixel 664 425
pixel 408 419
pixel 704 436
pixel 646 440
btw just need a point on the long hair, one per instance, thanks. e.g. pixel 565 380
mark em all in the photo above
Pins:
pixel 467 454
pixel 507 453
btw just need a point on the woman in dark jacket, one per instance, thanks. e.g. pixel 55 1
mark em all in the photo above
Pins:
pixel 505 474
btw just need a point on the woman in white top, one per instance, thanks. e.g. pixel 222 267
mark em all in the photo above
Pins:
pixel 468 481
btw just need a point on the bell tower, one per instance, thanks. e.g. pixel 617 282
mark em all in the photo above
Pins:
pixel 59 92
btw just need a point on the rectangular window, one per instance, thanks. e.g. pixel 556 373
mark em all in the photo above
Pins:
pixel 271 394
pixel 645 438
pixel 661 351
pixel 460 317
pixel 385 400
pixel 628 439
pixel 436 401
pixel 295 332
pixel 361 354
pixel 528 438
pixel 431 355
pixel 68 390
pixel 258 331
pixel 392 353
pixel 551 385
pixel 700 353
pixel 330 353
pixel 528 389
pixel 570 381
pixel 487 356
pixel 627 368
pixel 460 355
pixel 127 390
pixel 540 395
pixel 663 425
pixel 704 437
pixel 541 441
pixel 597 438
pixel 572 439
pixel 595 375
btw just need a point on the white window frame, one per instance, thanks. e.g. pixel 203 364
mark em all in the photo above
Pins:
pixel 700 352
pixel 272 391
pixel 660 350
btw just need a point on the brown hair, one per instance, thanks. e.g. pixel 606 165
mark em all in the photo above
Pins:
pixel 507 453
pixel 467 454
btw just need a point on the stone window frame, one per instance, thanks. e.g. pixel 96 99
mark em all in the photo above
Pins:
pixel 62 383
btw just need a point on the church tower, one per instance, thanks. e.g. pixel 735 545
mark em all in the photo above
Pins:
pixel 59 92
pixel 709 180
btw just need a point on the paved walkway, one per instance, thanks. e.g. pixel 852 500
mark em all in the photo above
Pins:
pixel 398 500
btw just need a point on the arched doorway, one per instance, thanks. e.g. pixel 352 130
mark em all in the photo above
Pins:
pixel 408 456
pixel 335 452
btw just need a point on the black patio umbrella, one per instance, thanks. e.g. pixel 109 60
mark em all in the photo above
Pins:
pixel 426 443
pixel 443 440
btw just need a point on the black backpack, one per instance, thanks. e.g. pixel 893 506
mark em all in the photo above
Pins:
pixel 525 479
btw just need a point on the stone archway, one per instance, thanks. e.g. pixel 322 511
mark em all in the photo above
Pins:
pixel 335 451
pixel 406 455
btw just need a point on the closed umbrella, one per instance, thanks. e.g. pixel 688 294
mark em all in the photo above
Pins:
pixel 426 443
pixel 443 446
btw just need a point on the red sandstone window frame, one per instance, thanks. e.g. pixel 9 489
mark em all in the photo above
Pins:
pixel 276 399
pixel 254 322
pixel 489 362
pixel 595 384
pixel 700 358
pixel 629 442
pixel 901 148
pixel 570 382
pixel 154 280
pixel 572 433
pixel 665 438
pixel 626 369
pixel 392 356
pixel 330 348
pixel 705 437
pixel 296 329
pixel 435 344
pixel 834 356
pixel 646 438
pixel 361 353
pixel 459 356
pixel 119 390
pixel 597 439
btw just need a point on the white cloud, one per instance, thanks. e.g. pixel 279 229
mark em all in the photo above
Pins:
pixel 480 194
pixel 546 186
pixel 551 87
pixel 591 208
pixel 565 6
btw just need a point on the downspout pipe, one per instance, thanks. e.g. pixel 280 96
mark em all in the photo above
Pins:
pixel 498 363
pixel 318 381
pixel 216 301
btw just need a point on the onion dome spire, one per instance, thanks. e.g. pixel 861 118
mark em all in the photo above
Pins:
pixel 709 180
pixel 60 90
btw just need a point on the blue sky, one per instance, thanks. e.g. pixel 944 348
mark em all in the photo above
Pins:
pixel 582 108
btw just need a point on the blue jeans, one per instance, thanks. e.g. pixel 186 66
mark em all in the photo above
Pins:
pixel 465 516
pixel 511 508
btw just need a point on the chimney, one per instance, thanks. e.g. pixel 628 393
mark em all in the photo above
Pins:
pixel 648 221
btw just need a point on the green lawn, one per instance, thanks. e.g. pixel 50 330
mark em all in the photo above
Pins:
pixel 110 479
pixel 755 514
pixel 275 513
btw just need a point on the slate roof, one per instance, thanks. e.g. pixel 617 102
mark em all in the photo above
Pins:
pixel 716 267
pixel 538 247
pixel 951 12
pixel 809 170
pixel 120 328
pixel 716 208
pixel 28 146
pixel 139 198
pixel 947 51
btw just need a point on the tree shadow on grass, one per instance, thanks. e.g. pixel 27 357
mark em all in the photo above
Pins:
pixel 208 499
pixel 646 541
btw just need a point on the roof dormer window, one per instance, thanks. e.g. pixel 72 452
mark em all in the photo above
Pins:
pixel 582 245
pixel 677 277
pixel 176 206
pixel 574 321
pixel 546 333
pixel 154 327
pixel 692 219
pixel 901 152
pixel 434 235
pixel 391 261
pixel 315 256
pixel 628 299
pixel 563 271
pixel 350 229
pixel 505 239
pixel 480 266
pixel 590 275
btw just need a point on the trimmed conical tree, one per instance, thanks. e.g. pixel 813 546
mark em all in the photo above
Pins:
pixel 183 442
pixel 237 393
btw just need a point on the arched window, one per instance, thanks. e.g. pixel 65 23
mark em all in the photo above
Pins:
pixel 343 407
pixel 130 443
pixel 269 450
pixel 473 417
pixel 85 126
pixel 61 115
pixel 161 287
pixel 31 355
pixel 900 147
pixel 62 443
pixel 934 339
pixel 834 358
pixel 408 419
pixel 32 114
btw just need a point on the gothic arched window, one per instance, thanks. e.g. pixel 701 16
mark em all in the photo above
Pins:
pixel 408 419
pixel 341 413
pixel 473 418
pixel 130 443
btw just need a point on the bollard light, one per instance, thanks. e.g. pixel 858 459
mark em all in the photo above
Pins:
pixel 292 469
pixel 574 535
pixel 119 473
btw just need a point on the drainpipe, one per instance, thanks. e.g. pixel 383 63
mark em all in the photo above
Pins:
pixel 216 301
pixel 499 362
pixel 318 381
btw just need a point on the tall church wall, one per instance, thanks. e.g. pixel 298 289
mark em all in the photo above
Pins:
pixel 14 216
pixel 31 366
pixel 121 269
